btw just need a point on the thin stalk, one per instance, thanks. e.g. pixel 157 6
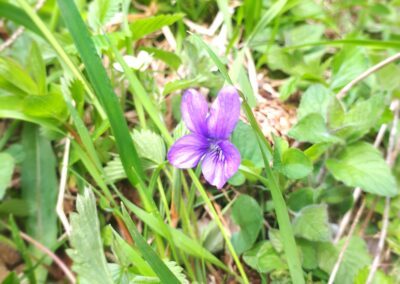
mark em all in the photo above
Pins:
pixel 216 218
pixel 281 210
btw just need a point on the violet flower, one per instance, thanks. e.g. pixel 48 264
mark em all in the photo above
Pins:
pixel 209 140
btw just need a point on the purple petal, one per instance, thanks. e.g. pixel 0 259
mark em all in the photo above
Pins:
pixel 221 164
pixel 187 151
pixel 224 113
pixel 194 110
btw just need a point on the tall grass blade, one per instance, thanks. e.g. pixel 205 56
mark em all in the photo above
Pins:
pixel 158 266
pixel 103 89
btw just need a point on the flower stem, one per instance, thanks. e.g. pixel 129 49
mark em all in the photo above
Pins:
pixel 281 211
pixel 216 218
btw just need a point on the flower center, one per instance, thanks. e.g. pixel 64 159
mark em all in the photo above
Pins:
pixel 216 150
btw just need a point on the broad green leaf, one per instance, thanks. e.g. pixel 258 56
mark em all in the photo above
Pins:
pixel 347 65
pixel 102 11
pixel 300 198
pixel 149 145
pixel 312 223
pixel 39 189
pixel 288 88
pixel 295 164
pixel 309 253
pixel 314 100
pixel 6 170
pixel 317 150
pixel 170 58
pixel 275 238
pixel 304 34
pixel 355 258
pixel 379 278
pixel 14 78
pixel 312 128
pixel 47 110
pixel 244 138
pixel 335 195
pixel 361 165
pixel 142 27
pixel 359 119
pixel 264 258
pixel 89 261
pixel 247 214
pixel 49 106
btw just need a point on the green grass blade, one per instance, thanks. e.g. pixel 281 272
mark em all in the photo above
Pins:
pixel 182 241
pixel 103 89
pixel 267 18
pixel 158 266
pixel 374 44
pixel 23 250
pixel 18 16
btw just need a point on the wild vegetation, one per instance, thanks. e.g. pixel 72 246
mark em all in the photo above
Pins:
pixel 222 141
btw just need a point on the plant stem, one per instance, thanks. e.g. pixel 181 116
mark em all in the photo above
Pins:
pixel 281 211
pixel 216 218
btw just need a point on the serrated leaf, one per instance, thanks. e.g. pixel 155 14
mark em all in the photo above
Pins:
pixel 312 128
pixel 142 27
pixel 295 164
pixel 127 255
pixel 300 198
pixel 303 34
pixel 149 145
pixel 361 165
pixel 314 100
pixel 177 270
pixel 264 258
pixel 87 252
pixel 355 258
pixel 102 11
pixel 6 170
pixel 170 58
pixel 312 223
pixel 347 65
pixel 359 119
pixel 247 214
